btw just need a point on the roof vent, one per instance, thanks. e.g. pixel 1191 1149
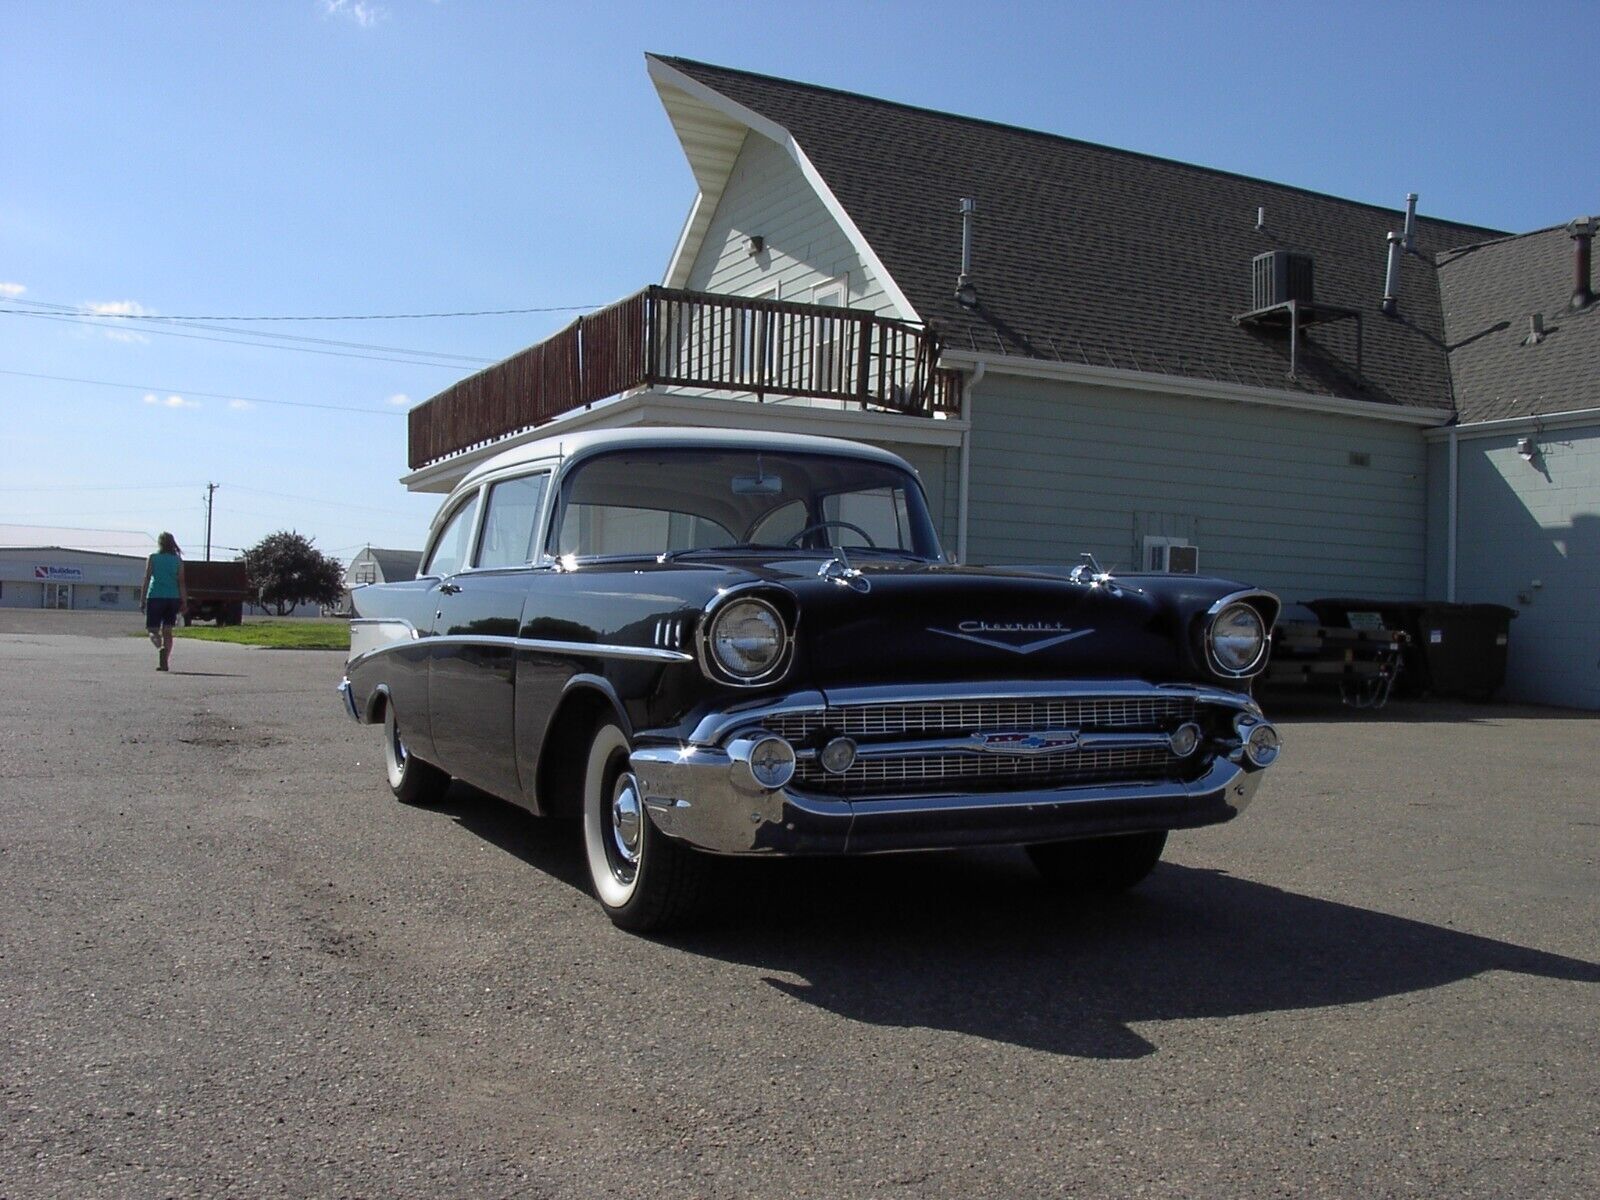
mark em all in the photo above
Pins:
pixel 1278 277
pixel 1582 233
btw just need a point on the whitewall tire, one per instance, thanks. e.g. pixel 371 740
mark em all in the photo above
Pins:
pixel 642 878
pixel 412 780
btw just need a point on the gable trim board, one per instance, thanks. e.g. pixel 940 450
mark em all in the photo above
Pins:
pixel 667 78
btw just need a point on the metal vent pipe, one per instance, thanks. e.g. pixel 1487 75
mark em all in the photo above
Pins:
pixel 1411 221
pixel 1582 231
pixel 1391 278
pixel 966 292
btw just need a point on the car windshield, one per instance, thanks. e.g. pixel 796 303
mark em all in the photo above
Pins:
pixel 682 501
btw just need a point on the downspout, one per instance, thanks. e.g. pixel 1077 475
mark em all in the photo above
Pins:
pixel 1450 536
pixel 964 489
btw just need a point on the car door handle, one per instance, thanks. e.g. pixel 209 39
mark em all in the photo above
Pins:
pixel 449 589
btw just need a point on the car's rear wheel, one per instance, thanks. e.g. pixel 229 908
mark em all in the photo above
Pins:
pixel 1099 866
pixel 412 780
pixel 642 878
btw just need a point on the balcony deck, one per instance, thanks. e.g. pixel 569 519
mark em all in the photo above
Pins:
pixel 665 337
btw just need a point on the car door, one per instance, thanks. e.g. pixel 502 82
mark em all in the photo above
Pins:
pixel 472 685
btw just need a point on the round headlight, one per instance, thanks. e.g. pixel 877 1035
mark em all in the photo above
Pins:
pixel 747 639
pixel 1237 639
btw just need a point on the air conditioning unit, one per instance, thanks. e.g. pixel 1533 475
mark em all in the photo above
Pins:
pixel 1280 276
pixel 1171 556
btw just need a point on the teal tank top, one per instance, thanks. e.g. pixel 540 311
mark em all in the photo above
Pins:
pixel 163 577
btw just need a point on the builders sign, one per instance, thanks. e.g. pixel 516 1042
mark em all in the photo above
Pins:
pixel 59 574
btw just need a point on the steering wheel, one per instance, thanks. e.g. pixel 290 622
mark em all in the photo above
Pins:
pixel 865 536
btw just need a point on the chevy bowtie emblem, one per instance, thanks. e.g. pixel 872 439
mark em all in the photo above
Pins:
pixel 1019 638
pixel 1054 741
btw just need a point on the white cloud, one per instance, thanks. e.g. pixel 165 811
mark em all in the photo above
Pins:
pixel 169 401
pixel 11 290
pixel 400 400
pixel 123 335
pixel 117 308
pixel 240 405
pixel 363 12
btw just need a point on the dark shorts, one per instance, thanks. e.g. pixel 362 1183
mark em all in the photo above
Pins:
pixel 158 612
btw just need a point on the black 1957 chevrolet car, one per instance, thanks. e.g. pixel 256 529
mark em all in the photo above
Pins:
pixel 722 643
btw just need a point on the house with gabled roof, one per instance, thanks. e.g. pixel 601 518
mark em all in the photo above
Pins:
pixel 1080 348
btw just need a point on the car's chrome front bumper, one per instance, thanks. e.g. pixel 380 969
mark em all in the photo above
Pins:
pixel 703 794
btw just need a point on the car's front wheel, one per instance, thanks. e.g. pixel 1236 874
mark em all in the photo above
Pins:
pixel 1099 866
pixel 412 780
pixel 642 878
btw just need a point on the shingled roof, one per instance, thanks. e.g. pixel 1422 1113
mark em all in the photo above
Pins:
pixel 1490 291
pixel 1086 253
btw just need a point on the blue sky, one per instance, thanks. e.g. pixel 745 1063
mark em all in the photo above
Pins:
pixel 319 157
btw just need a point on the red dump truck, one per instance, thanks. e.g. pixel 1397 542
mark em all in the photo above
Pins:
pixel 218 592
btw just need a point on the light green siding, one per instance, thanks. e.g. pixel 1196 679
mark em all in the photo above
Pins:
pixel 1528 536
pixel 804 246
pixel 939 468
pixel 1270 496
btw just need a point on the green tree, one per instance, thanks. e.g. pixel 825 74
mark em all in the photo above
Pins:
pixel 285 569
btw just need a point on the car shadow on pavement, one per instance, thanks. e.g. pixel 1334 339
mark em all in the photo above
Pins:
pixel 974 942
pixel 549 845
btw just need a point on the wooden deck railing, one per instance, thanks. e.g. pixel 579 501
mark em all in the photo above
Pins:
pixel 698 341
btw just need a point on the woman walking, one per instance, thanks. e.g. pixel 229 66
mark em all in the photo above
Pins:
pixel 163 595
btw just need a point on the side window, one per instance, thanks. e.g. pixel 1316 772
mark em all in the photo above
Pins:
pixel 509 521
pixel 450 551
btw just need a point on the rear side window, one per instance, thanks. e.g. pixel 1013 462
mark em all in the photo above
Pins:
pixel 450 551
pixel 508 538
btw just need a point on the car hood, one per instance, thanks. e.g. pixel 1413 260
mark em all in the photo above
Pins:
pixel 891 621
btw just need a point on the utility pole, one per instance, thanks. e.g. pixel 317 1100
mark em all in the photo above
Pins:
pixel 211 492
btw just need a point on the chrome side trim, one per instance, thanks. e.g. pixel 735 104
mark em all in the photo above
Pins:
pixel 539 645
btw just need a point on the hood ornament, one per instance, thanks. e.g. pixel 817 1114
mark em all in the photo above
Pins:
pixel 1089 573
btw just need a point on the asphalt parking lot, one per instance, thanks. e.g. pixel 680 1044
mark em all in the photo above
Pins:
pixel 232 964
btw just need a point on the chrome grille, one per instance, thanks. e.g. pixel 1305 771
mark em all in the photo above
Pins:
pixel 871 775
pixel 967 716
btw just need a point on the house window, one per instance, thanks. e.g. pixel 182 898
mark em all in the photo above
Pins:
pixel 827 361
pixel 1171 556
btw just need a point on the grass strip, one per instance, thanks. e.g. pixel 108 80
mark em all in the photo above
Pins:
pixel 282 634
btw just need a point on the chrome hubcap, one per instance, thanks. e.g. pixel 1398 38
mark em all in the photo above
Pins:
pixel 627 819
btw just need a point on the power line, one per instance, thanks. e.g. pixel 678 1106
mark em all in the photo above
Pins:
pixel 144 387
pixel 200 337
pixel 103 487
pixel 426 316
pixel 191 323
pixel 238 487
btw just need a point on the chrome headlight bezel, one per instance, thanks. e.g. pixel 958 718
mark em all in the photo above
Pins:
pixel 1256 661
pixel 715 666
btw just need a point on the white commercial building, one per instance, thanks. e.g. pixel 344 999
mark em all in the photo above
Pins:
pixel 49 567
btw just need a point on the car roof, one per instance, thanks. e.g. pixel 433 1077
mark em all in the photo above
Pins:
pixel 582 444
